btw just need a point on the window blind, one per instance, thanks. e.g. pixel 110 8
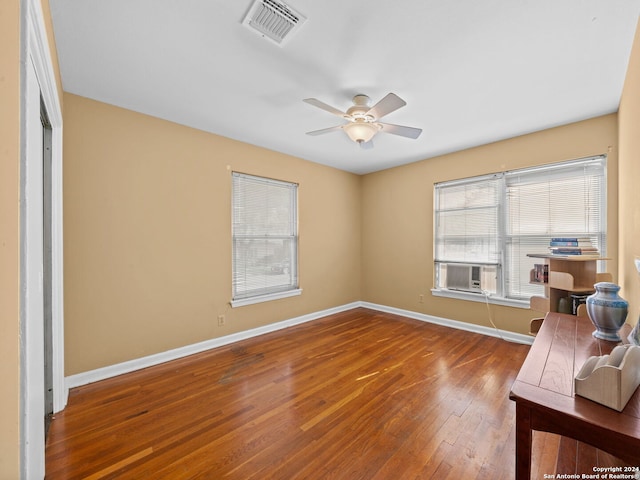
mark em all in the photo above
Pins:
pixel 560 200
pixel 265 238
pixel 499 219
pixel 467 226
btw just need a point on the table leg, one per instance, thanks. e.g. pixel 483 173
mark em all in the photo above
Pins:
pixel 523 442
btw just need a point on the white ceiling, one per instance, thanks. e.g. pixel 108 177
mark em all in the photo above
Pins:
pixel 471 72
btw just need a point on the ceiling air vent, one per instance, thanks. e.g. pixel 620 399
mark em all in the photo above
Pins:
pixel 273 20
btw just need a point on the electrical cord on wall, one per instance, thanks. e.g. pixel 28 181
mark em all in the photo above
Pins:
pixel 486 298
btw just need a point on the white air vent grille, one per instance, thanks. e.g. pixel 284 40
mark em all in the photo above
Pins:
pixel 273 20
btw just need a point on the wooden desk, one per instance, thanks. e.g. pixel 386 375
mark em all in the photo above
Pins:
pixel 545 401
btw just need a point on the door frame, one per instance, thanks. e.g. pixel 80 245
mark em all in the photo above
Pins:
pixel 36 59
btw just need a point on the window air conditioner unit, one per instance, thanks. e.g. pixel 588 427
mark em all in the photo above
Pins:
pixel 467 278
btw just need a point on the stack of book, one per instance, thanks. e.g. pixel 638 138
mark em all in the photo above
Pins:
pixel 540 273
pixel 572 246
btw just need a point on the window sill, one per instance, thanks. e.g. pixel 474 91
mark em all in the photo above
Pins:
pixel 265 298
pixel 479 297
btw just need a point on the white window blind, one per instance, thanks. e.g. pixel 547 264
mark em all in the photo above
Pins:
pixel 466 219
pixel 560 200
pixel 499 219
pixel 265 236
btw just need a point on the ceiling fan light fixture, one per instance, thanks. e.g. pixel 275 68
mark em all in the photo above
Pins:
pixel 361 131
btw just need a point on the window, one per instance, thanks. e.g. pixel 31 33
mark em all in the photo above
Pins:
pixel 493 222
pixel 265 239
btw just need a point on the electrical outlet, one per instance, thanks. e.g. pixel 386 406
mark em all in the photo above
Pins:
pixel 221 320
pixel 421 299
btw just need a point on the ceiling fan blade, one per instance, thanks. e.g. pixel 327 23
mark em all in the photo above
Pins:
pixel 409 132
pixel 367 145
pixel 388 104
pixel 325 130
pixel 327 108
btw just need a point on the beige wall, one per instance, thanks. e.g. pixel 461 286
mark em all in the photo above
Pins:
pixel 9 239
pixel 147 212
pixel 147 245
pixel 398 219
pixel 629 208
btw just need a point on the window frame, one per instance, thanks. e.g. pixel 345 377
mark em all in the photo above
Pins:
pixel 505 237
pixel 263 234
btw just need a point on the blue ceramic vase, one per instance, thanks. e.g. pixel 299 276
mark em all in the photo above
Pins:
pixel 607 310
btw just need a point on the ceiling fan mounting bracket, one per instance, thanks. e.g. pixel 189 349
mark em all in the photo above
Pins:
pixel 361 99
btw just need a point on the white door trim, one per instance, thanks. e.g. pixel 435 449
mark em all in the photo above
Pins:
pixel 41 57
pixel 36 61
pixel 31 290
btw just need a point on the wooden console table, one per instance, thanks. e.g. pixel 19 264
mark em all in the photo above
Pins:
pixel 545 400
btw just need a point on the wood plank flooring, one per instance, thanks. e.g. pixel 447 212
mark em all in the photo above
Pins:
pixel 357 395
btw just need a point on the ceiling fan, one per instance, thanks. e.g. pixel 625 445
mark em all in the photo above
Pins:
pixel 362 120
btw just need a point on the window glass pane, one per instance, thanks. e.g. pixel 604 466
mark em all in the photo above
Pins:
pixel 264 227
pixel 562 200
pixel 468 235
pixel 262 266
pixel 262 208
pixel 467 222
pixel 500 219
pixel 556 206
pixel 518 265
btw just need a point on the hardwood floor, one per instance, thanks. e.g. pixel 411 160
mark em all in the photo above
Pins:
pixel 357 395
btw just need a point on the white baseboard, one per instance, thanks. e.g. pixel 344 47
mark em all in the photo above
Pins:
pixel 98 374
pixel 151 360
pixel 469 327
